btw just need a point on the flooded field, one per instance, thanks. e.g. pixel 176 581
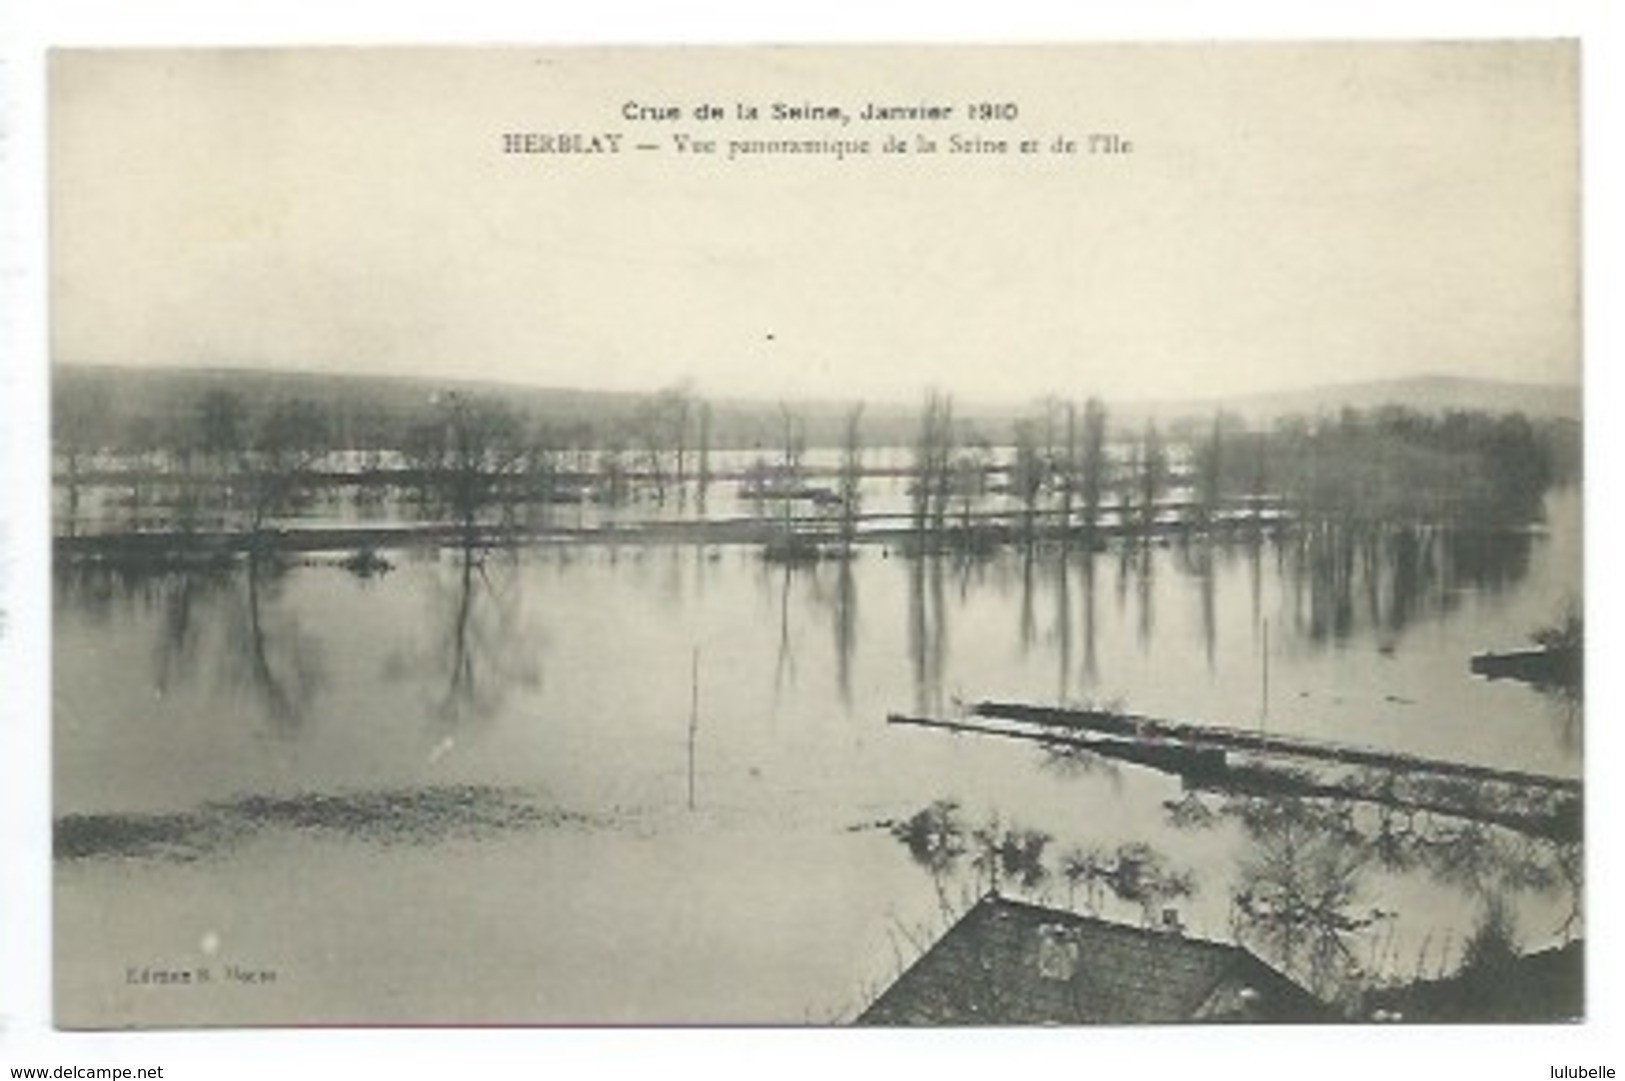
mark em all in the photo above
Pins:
pixel 648 782
pixel 1064 524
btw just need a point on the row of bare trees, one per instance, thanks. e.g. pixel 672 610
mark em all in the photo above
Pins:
pixel 1059 461
pixel 1060 472
pixel 470 458
pixel 1065 472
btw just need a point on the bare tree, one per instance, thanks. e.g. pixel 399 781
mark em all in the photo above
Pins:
pixel 1153 477
pixel 677 407
pixel 275 464
pixel 970 467
pixel 792 445
pixel 1094 469
pixel 664 426
pixel 1027 475
pixel 851 481
pixel 932 457
pixel 1067 471
pixel 1210 474
pixel 704 467
pixel 467 458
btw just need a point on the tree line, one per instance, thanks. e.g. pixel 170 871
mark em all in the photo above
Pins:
pixel 1065 468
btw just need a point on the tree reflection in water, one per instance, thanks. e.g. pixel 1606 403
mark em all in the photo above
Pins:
pixel 483 650
pixel 1343 577
pixel 1091 664
pixel 845 622
pixel 277 662
pixel 1143 578
pixel 1561 679
pixel 1197 561
pixel 1338 581
pixel 1009 855
pixel 183 598
pixel 1313 891
pixel 831 585
pixel 187 597
pixel 1027 631
pixel 1565 706
pixel 935 837
pixel 1298 901
pixel 1053 568
pixel 784 668
pixel 1303 897
pixel 992 855
pixel 1062 632
pixel 927 631
pixel 269 659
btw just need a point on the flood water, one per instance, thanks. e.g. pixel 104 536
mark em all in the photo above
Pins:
pixel 656 783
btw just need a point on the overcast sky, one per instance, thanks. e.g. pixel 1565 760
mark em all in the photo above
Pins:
pixel 1290 215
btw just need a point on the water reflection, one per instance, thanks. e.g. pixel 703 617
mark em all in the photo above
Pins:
pixel 1347 578
pixel 1053 569
pixel 1196 560
pixel 1318 885
pixel 105 592
pixel 1336 581
pixel 1306 897
pixel 1061 633
pixel 1555 669
pixel 1134 872
pixel 1565 706
pixel 483 648
pixel 273 660
pixel 987 855
pixel 1143 565
pixel 1300 899
pixel 475 647
pixel 992 855
pixel 784 668
pixel 1027 625
pixel 1008 856
pixel 927 631
pixel 184 601
pixel 185 596
pixel 238 609
pixel 1302 894
pixel 1091 664
pixel 844 619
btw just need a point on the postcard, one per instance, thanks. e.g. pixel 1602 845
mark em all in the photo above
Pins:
pixel 817 535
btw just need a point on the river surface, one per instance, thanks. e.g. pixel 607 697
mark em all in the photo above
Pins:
pixel 656 783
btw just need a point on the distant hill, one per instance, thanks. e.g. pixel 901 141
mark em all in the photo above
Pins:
pixel 1429 394
pixel 161 399
pixel 133 400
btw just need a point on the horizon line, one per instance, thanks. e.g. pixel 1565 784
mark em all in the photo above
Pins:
pixel 993 404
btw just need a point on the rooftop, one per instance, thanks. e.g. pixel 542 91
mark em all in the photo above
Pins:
pixel 1008 962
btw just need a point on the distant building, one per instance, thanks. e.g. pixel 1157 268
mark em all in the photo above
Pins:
pixel 1011 963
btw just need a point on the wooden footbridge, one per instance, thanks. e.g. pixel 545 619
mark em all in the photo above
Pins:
pixel 1241 762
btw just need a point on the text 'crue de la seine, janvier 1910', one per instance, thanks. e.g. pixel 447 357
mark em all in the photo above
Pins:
pixel 986 129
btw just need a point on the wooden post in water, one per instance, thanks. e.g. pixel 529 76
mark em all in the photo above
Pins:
pixel 693 719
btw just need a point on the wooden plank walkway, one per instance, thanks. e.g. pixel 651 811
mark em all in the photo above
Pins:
pixel 1551 810
pixel 1151 730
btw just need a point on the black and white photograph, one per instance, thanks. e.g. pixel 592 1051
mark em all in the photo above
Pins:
pixel 817 535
